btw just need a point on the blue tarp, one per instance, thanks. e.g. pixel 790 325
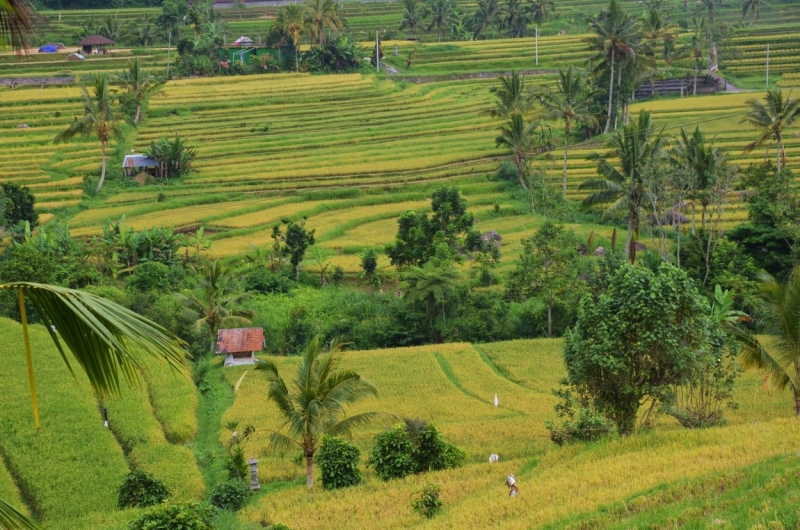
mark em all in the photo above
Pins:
pixel 50 48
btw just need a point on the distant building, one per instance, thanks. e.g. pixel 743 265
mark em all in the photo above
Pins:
pixel 224 4
pixel 95 44
pixel 240 345
pixel 243 41
pixel 135 164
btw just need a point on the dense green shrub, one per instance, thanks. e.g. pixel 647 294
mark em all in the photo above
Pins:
pixel 426 501
pixel 433 453
pixel 392 454
pixel 150 276
pixel 189 515
pixel 19 205
pixel 140 489
pixel 231 495
pixel 261 280
pixel 338 460
pixel 587 427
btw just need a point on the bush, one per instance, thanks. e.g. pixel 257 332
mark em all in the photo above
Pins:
pixel 263 281
pixel 392 454
pixel 140 489
pixel 588 427
pixel 150 276
pixel 231 495
pixel 426 501
pixel 338 460
pixel 184 516
pixel 433 453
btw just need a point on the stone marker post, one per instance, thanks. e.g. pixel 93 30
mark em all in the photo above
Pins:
pixel 254 485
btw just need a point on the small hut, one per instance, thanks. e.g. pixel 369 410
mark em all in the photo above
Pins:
pixel 95 44
pixel 135 164
pixel 240 345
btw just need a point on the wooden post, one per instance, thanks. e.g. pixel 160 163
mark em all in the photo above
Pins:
pixel 767 66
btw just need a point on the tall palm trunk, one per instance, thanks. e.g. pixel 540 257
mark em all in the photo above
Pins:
pixel 102 165
pixel 696 69
pixel 296 60
pixel 610 95
pixel 778 150
pixel 310 471
pixel 537 44
pixel 566 143
pixel 138 114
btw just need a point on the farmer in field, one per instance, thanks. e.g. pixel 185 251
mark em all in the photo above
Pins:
pixel 511 482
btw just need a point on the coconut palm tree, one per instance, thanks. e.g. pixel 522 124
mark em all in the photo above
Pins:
pixel 752 8
pixel 702 160
pixel 212 302
pixel 486 16
pixel 441 13
pixel 772 117
pixel 515 18
pixel 292 20
pixel 431 285
pixel 15 26
pixel 615 37
pixel 569 102
pixel 777 349
pixel 312 405
pixel 413 15
pixel 519 138
pixel 322 14
pixel 623 187
pixel 699 46
pixel 540 12
pixel 512 97
pixel 709 5
pixel 101 119
pixel 140 86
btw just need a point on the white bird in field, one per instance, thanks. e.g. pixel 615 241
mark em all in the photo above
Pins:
pixel 496 401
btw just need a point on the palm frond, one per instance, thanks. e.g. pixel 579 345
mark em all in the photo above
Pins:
pixel 346 426
pixel 13 519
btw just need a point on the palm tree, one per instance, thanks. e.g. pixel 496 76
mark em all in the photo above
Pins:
pixel 752 8
pixel 314 404
pixel 624 187
pixel 441 13
pixel 777 349
pixel 15 26
pixel 512 97
pixel 111 29
pixel 515 18
pixel 772 117
pixel 519 139
pixel 699 46
pixel 101 119
pixel 569 102
pixel 105 339
pixel 140 86
pixel 486 16
pixel 540 12
pixel 431 285
pixel 212 302
pixel 413 15
pixel 656 30
pixel 701 159
pixel 323 14
pixel 292 20
pixel 709 5
pixel 615 36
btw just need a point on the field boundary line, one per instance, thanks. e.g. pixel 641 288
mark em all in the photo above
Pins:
pixel 451 376
pixel 495 368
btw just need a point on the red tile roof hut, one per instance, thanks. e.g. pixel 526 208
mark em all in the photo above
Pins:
pixel 240 345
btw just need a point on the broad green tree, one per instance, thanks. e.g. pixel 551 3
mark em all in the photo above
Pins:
pixel 139 86
pixel 519 138
pixel 777 349
pixel 635 338
pixel 313 403
pixel 540 12
pixel 101 119
pixel 615 38
pixel 772 117
pixel 413 15
pixel 569 102
pixel 623 187
pixel 213 302
pixel 292 20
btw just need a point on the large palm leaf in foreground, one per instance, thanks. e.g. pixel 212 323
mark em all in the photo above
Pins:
pixel 777 351
pixel 15 26
pixel 313 404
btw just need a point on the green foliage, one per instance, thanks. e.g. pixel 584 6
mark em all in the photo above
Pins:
pixel 426 501
pixel 635 339
pixel 338 461
pixel 140 489
pixel 122 247
pixel 413 447
pixel 184 516
pixel 588 426
pixel 369 262
pixel 294 242
pixel 420 238
pixel 17 204
pixel 231 495
pixel 150 276
pixel 338 54
pixel 174 157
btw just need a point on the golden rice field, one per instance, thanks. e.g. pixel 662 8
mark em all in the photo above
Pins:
pixel 453 385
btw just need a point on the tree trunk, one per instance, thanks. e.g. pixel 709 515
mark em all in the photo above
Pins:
pixel 628 237
pixel 296 60
pixel 537 44
pixel 309 471
pixel 694 214
pixel 566 142
pixel 778 152
pixel 610 94
pixel 102 166
pixel 694 93
pixel 138 114
pixel 549 314
pixel 520 166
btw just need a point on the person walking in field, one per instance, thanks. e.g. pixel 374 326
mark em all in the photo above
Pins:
pixel 511 482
